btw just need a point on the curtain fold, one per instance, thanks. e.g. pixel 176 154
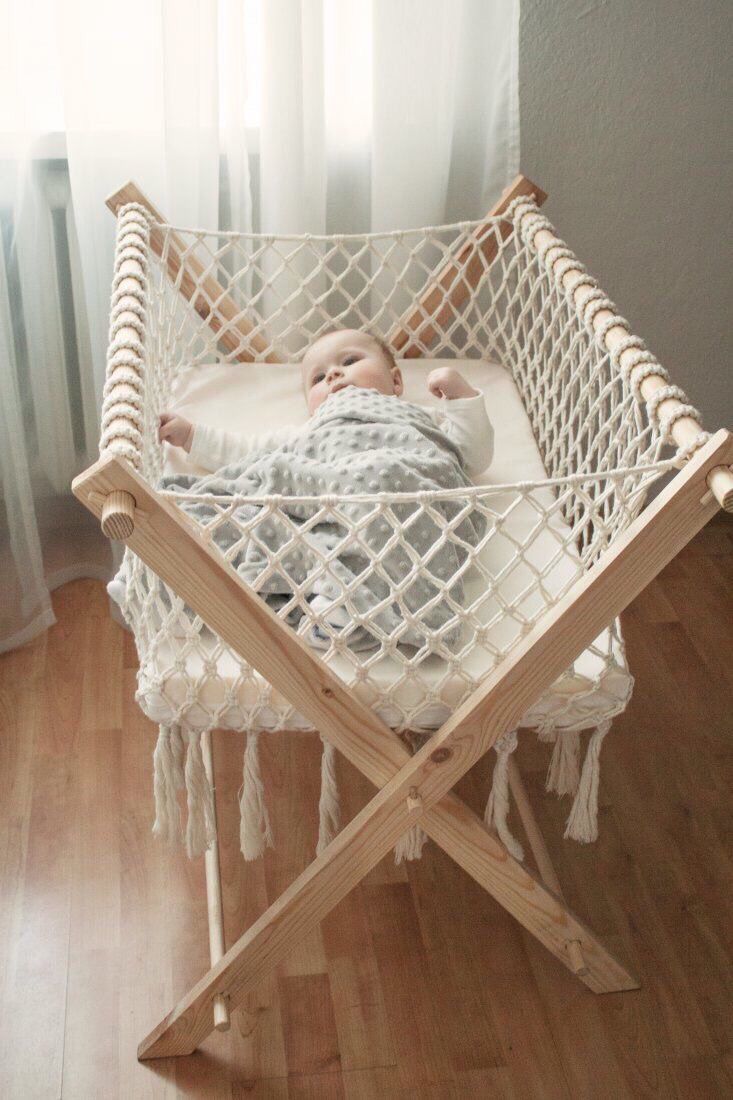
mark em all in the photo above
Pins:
pixel 280 115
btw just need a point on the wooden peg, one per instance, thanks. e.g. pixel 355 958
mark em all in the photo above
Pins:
pixel 577 959
pixel 414 801
pixel 118 515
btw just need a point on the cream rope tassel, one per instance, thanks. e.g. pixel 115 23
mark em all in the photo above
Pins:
pixel 255 832
pixel 497 807
pixel 200 825
pixel 329 817
pixel 582 824
pixel 167 813
pixel 177 753
pixel 546 732
pixel 410 844
pixel 563 774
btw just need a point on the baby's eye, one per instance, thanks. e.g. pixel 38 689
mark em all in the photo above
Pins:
pixel 317 377
pixel 349 359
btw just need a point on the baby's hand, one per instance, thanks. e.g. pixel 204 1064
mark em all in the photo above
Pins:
pixel 449 383
pixel 176 430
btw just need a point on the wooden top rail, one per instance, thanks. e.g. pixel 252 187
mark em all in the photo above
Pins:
pixel 448 289
pixel 207 296
pixel 685 431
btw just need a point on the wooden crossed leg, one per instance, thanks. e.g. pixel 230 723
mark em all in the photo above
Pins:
pixel 412 788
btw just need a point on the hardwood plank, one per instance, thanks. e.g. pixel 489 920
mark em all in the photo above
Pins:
pixel 617 882
pixel 92 1020
pixel 34 1016
pixel 309 1027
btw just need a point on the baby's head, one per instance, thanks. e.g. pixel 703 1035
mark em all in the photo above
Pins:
pixel 348 357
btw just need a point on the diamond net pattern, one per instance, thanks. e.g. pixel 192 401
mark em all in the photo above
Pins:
pixel 182 297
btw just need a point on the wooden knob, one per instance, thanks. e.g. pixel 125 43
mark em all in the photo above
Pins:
pixel 118 515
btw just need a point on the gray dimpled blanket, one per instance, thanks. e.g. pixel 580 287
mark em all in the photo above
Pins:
pixel 358 441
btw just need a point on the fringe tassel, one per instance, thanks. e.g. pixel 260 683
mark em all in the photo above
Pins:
pixel 410 844
pixel 329 819
pixel 582 824
pixel 497 807
pixel 563 774
pixel 255 832
pixel 200 828
pixel 177 752
pixel 165 783
pixel 546 732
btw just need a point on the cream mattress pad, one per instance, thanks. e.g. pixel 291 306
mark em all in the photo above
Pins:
pixel 254 398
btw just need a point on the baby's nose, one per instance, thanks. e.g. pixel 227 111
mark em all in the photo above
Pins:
pixel 333 372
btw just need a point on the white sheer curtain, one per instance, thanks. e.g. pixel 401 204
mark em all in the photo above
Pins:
pixel 285 115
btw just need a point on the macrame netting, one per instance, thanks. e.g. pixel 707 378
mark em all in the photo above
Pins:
pixel 602 445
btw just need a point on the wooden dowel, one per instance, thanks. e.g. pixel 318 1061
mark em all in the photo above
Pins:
pixel 217 946
pixel 532 829
pixel 578 964
pixel 541 855
pixel 118 515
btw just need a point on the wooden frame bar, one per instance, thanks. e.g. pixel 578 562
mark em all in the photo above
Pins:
pixel 217 946
pixel 207 296
pixel 176 550
pixel 448 289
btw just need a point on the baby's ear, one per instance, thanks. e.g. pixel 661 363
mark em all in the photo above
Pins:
pixel 397 381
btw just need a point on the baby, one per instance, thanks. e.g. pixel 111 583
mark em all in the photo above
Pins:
pixel 348 357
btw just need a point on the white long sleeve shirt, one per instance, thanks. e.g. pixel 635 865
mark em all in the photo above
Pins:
pixel 464 420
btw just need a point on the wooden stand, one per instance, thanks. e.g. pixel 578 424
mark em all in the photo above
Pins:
pixel 171 545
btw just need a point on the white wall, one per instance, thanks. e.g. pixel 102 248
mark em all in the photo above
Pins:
pixel 625 113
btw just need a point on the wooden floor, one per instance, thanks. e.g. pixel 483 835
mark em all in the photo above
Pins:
pixel 417 984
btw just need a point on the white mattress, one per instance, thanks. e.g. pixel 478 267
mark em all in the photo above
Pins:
pixel 252 398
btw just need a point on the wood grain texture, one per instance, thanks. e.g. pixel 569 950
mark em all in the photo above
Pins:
pixel 512 1023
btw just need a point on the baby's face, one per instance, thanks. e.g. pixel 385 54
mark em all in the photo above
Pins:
pixel 347 358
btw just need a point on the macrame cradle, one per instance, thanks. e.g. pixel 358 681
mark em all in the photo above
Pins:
pixel 564 551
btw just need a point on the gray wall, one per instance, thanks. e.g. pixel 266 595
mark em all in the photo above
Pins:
pixel 625 113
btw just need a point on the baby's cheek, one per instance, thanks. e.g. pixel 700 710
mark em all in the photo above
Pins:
pixel 315 397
